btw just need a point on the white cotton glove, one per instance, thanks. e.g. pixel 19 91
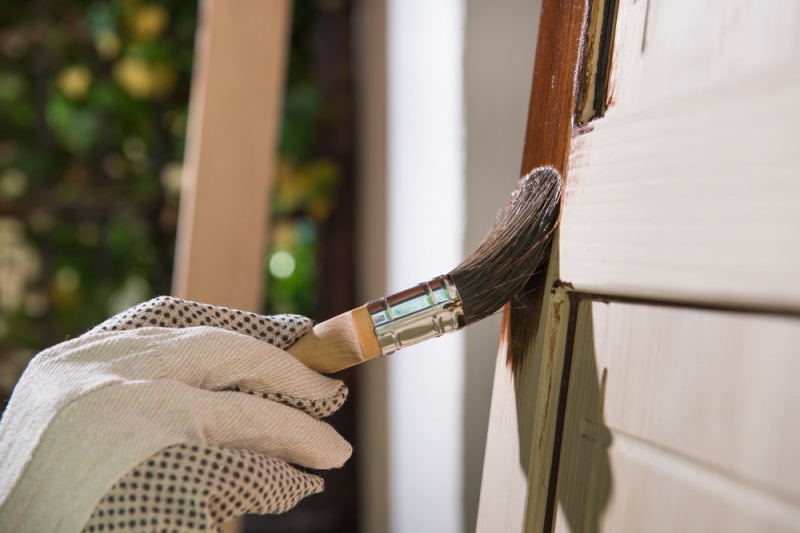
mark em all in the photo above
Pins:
pixel 145 424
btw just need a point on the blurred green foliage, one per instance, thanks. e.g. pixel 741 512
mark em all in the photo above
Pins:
pixel 93 107
pixel 93 111
pixel 306 183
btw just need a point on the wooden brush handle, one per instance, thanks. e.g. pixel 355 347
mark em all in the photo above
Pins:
pixel 338 343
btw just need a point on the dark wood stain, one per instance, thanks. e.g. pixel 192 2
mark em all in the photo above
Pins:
pixel 548 135
pixel 602 94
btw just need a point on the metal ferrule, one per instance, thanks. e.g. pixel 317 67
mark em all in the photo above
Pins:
pixel 428 310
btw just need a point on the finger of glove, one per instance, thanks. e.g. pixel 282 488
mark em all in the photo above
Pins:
pixel 216 359
pixel 168 312
pixel 191 488
pixel 241 421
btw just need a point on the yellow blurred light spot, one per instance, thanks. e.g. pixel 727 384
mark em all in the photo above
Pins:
pixel 148 21
pixel 108 44
pixel 284 234
pixel 135 76
pixel 164 77
pixel 281 264
pixel 13 183
pixel 171 176
pixel 144 80
pixel 308 187
pixel 75 81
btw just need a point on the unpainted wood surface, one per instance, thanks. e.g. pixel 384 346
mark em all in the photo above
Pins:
pixel 584 479
pixel 339 342
pixel 687 190
pixel 233 123
pixel 549 350
pixel 681 420
pixel 666 48
pixel 230 161
pixel 519 443
pixel 694 199
pixel 504 484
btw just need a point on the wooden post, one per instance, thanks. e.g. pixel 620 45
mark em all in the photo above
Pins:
pixel 234 122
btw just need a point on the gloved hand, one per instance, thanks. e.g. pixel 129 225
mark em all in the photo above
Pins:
pixel 171 416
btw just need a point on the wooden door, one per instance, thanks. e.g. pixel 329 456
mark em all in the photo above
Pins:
pixel 650 382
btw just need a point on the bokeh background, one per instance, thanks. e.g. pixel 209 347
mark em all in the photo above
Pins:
pixel 93 112
pixel 401 138
pixel 94 100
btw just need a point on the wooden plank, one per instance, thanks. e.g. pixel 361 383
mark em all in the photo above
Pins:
pixel 551 348
pixel 584 480
pixel 548 136
pixel 538 325
pixel 504 484
pixel 233 126
pixel 663 493
pixel 668 48
pixel 506 497
pixel 234 116
pixel 522 424
pixel 685 190
pixel 693 200
pixel 689 415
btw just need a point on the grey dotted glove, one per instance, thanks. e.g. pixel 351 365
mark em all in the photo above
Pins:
pixel 171 416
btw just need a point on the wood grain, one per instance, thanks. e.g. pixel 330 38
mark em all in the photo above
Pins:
pixel 688 414
pixel 338 343
pixel 692 200
pixel 555 79
pixel 541 320
pixel 552 349
pixel 233 125
pixel 548 135
pixel 509 446
pixel 666 49
pixel 504 484
pixel 234 115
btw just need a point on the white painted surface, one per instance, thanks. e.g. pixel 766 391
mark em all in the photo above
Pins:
pixel 425 209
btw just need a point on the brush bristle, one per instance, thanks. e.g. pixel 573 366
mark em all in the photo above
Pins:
pixel 516 246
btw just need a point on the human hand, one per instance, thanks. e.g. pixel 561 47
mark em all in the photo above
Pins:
pixel 172 415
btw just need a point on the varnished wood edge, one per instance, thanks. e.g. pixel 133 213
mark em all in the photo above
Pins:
pixel 548 135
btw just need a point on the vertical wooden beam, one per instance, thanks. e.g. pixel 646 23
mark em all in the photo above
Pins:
pixel 531 356
pixel 234 122
pixel 551 118
pixel 555 85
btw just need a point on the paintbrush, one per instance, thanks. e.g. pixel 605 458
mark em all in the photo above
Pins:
pixel 515 247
